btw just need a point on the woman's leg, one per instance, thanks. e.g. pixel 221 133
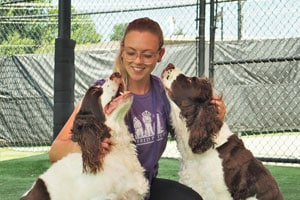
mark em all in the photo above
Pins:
pixel 163 189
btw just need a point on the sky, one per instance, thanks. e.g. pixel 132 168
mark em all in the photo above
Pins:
pixel 261 18
pixel 266 18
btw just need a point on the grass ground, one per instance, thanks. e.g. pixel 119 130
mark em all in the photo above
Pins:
pixel 18 174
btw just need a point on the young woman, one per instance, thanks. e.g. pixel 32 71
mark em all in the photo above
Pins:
pixel 140 49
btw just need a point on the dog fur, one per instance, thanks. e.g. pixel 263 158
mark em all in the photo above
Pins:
pixel 90 175
pixel 214 161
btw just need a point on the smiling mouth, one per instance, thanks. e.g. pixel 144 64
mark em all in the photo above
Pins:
pixel 138 69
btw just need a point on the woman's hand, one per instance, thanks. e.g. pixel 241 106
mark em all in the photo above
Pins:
pixel 105 147
pixel 218 101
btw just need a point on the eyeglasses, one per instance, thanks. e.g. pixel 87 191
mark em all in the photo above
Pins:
pixel 147 57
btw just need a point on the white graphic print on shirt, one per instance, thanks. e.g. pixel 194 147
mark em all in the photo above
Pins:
pixel 146 117
pixel 144 132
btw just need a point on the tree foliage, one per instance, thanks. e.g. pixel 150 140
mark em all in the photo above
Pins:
pixel 33 28
pixel 118 32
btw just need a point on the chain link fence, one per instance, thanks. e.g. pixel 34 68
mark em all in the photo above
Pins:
pixel 257 67
pixel 255 62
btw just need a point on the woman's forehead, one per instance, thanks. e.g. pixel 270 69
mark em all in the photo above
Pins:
pixel 141 40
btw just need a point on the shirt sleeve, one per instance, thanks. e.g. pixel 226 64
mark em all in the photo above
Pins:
pixel 99 82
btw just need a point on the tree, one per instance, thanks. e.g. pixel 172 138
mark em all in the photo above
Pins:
pixel 118 32
pixel 18 40
pixel 33 28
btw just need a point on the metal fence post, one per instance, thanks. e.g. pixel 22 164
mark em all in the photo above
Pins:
pixel 64 70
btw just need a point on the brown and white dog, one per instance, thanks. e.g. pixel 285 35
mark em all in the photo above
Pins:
pixel 214 161
pixel 89 175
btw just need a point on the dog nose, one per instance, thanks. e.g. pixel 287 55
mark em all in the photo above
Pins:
pixel 169 67
pixel 115 75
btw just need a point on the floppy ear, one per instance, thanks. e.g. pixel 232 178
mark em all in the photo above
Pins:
pixel 89 130
pixel 204 128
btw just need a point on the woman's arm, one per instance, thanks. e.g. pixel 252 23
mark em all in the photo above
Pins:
pixel 218 101
pixel 62 144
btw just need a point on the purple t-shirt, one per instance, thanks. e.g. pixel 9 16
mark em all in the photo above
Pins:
pixel 148 121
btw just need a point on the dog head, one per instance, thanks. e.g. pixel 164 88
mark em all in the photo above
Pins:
pixel 90 127
pixel 193 95
pixel 115 101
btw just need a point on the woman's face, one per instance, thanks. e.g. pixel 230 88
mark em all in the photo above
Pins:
pixel 140 54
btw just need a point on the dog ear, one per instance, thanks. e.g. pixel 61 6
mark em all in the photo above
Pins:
pixel 89 133
pixel 89 130
pixel 204 128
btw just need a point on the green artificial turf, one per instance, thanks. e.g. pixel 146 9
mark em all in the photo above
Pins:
pixel 17 175
pixel 286 177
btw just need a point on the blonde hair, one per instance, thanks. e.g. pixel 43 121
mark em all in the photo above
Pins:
pixel 140 24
